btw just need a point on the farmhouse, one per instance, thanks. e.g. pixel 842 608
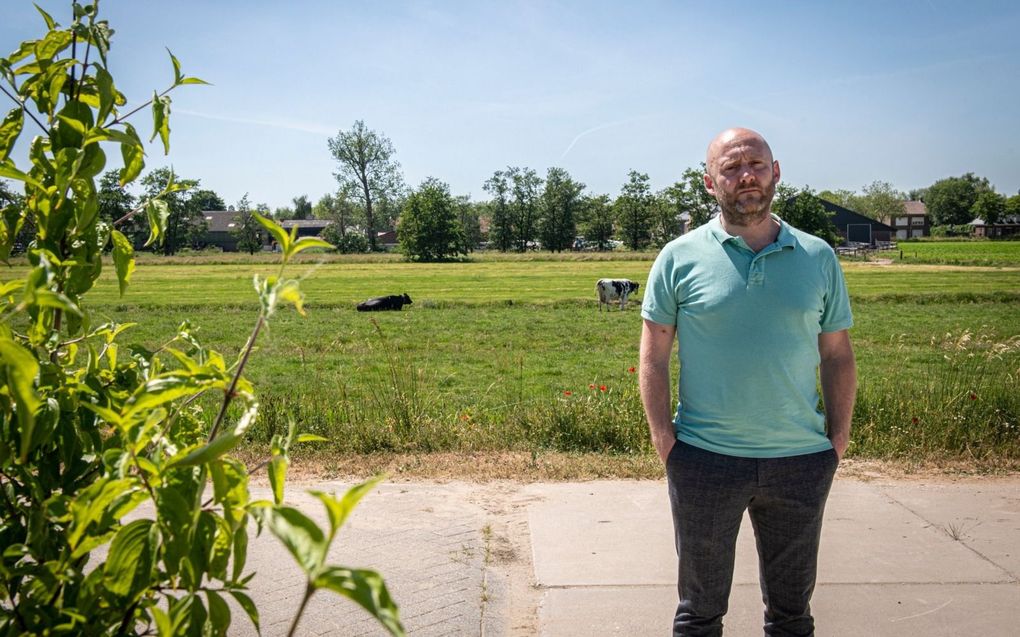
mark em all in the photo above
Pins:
pixel 912 222
pixel 220 227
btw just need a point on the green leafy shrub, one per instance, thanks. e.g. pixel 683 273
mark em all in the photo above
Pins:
pixel 93 430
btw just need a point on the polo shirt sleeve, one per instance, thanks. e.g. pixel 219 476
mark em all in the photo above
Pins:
pixel 836 315
pixel 660 304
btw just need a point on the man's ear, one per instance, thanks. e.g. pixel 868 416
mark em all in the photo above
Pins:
pixel 710 187
pixel 775 171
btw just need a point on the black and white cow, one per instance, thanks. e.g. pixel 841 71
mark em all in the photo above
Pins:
pixel 394 302
pixel 610 290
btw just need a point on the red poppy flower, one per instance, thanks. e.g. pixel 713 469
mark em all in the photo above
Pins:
pixel 632 370
pixel 591 385
pixel 914 420
pixel 568 393
pixel 973 396
pixel 602 388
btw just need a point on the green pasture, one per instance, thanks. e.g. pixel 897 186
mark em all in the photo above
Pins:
pixel 514 355
pixel 976 252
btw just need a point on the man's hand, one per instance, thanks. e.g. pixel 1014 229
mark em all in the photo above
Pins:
pixel 663 445
pixel 840 444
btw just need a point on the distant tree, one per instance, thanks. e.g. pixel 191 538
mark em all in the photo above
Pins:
pixel 917 194
pixel 560 203
pixel 666 217
pixel 803 210
pixel 429 227
pixel 366 165
pixel 283 213
pixel 842 197
pixel 949 201
pixel 341 209
pixel 634 210
pixel 501 228
pixel 185 224
pixel 989 206
pixel 524 205
pixel 469 214
pixel 249 232
pixel 597 218
pixel 879 200
pixel 688 195
pixel 1013 206
pixel 208 200
pixel 115 202
pixel 302 207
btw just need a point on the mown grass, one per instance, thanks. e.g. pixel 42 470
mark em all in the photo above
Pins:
pixel 975 252
pixel 508 356
pixel 512 357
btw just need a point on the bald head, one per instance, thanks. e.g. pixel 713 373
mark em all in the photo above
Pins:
pixel 730 138
pixel 742 175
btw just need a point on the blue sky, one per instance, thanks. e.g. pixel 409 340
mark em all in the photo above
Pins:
pixel 846 92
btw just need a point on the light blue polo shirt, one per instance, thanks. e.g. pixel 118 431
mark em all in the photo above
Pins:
pixel 747 326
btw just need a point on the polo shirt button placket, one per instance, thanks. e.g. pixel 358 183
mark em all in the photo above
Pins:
pixel 757 275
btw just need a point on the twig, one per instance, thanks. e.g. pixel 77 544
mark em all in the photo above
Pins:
pixel 229 396
pixel 25 110
pixel 124 117
pixel 301 609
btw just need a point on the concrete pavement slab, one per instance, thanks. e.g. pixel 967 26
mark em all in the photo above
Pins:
pixel 884 569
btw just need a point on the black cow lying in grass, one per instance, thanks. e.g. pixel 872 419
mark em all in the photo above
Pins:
pixel 394 302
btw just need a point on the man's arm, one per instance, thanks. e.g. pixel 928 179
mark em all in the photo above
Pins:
pixel 656 394
pixel 838 373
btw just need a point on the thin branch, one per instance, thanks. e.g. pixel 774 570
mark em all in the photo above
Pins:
pixel 84 67
pixel 25 110
pixel 249 346
pixel 135 110
pixel 301 609
pixel 74 54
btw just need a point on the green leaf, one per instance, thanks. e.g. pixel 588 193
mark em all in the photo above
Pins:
pixel 309 242
pixel 340 509
pixel 366 588
pixel 9 131
pixel 177 67
pixel 310 438
pixel 277 476
pixel 20 370
pixel 8 170
pixel 219 613
pixel 161 120
pixel 123 259
pixel 249 607
pixel 194 80
pixel 281 236
pixel 49 298
pixel 107 93
pixel 240 550
pixel 299 534
pixel 93 502
pixel 128 568
pixel 52 44
pixel 50 24
pixel 290 292
pixel 134 156
pixel 158 213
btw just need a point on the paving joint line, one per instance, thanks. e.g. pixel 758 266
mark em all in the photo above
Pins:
pixel 940 529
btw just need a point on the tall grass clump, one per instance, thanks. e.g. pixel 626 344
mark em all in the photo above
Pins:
pixel 965 403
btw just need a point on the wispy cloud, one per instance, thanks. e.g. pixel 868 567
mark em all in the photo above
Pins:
pixel 591 130
pixel 302 127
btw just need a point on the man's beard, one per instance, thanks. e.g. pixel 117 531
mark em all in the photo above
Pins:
pixel 748 209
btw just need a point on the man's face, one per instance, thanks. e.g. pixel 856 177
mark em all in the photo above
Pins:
pixel 742 175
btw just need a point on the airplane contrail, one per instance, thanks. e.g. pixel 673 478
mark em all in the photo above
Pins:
pixel 284 124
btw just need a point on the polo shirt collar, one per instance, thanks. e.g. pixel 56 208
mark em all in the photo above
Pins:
pixel 784 239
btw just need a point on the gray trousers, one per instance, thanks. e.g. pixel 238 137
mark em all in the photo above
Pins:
pixel 785 499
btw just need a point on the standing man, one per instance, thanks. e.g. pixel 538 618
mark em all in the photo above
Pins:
pixel 758 307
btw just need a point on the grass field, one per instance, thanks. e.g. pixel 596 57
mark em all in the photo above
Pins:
pixel 988 253
pixel 511 356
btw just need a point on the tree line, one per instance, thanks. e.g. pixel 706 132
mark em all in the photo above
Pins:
pixel 524 209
